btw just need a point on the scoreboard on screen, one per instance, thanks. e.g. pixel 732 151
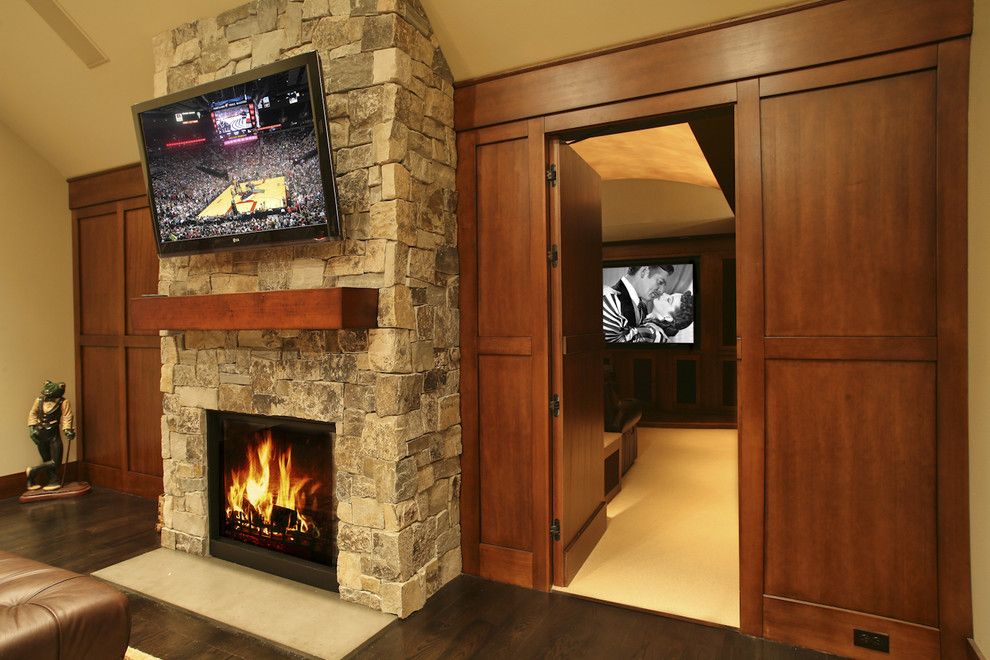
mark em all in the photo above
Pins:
pixel 234 118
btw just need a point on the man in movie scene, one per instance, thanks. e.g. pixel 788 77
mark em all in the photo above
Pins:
pixel 638 309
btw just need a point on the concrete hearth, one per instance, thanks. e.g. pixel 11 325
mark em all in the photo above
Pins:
pixel 392 391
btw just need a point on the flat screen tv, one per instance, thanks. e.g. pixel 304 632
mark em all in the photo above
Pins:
pixel 241 162
pixel 650 303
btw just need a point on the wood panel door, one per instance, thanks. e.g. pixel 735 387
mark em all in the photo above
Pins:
pixel 502 234
pixel 577 348
pixel 855 254
pixel 118 369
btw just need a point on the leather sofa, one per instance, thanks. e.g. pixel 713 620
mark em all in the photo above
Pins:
pixel 48 613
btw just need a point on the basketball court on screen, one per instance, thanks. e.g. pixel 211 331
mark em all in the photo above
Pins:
pixel 249 197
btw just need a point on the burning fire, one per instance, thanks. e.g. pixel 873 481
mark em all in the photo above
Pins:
pixel 256 496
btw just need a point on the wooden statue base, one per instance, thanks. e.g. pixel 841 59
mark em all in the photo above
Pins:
pixel 73 489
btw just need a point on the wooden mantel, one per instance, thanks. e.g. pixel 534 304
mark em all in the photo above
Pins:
pixel 301 309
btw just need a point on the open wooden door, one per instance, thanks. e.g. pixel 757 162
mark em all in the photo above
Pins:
pixel 577 345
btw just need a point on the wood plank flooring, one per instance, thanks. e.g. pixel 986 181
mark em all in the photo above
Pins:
pixel 470 618
pixel 474 618
pixel 107 527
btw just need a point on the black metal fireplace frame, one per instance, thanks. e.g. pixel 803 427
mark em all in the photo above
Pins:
pixel 262 559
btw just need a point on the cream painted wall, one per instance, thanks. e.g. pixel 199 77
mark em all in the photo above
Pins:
pixel 482 37
pixel 35 292
pixel 979 321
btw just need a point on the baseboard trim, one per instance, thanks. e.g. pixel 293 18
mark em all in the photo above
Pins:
pixel 14 484
pixel 973 651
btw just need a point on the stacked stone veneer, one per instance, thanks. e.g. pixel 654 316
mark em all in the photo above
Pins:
pixel 392 391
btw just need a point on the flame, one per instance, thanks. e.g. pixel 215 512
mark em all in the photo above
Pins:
pixel 253 494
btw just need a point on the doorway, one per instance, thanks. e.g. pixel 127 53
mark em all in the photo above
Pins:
pixel 646 465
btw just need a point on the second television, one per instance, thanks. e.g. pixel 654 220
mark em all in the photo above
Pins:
pixel 241 162
pixel 650 303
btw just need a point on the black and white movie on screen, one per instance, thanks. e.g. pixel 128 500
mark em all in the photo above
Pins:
pixel 649 304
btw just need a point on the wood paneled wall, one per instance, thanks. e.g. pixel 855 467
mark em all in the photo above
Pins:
pixel 682 386
pixel 117 368
pixel 851 258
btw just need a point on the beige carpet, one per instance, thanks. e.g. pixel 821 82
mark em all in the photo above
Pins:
pixel 672 543
pixel 292 614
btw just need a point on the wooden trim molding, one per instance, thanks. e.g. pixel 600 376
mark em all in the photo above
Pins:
pixel 817 34
pixel 12 485
pixel 750 327
pixel 955 601
pixel 915 349
pixel 973 651
pixel 830 629
pixel 915 59
pixel 107 186
pixel 467 236
pixel 686 246
pixel 637 109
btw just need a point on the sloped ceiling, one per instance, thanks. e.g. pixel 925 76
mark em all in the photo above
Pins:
pixel 79 118
pixel 482 37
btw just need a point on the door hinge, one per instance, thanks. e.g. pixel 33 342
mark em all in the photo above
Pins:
pixel 553 256
pixel 555 530
pixel 555 405
pixel 552 175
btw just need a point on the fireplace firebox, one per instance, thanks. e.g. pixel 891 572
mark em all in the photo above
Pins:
pixel 270 483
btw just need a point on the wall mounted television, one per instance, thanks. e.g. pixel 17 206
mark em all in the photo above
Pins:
pixel 650 303
pixel 240 162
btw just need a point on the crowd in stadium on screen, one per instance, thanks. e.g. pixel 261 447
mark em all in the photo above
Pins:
pixel 183 189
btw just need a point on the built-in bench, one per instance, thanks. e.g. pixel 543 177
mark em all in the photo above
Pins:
pixel 618 454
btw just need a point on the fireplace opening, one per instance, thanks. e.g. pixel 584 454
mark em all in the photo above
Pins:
pixel 271 495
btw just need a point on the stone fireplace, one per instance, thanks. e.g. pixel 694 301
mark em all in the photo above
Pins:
pixel 391 392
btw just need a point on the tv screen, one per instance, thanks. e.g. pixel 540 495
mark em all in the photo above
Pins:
pixel 650 303
pixel 241 162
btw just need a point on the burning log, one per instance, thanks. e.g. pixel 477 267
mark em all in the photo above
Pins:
pixel 284 518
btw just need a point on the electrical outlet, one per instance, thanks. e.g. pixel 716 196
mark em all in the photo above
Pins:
pixel 871 640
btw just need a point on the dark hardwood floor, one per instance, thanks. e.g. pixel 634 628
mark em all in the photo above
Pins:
pixel 474 618
pixel 470 618
pixel 107 527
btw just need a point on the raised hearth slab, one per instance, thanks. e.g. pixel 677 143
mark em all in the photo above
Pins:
pixel 298 616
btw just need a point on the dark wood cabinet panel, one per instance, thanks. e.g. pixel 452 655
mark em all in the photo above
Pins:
pixel 505 376
pixel 141 272
pixel 851 486
pixel 102 416
pixel 729 334
pixel 830 629
pixel 118 369
pixel 101 284
pixel 503 240
pixel 505 414
pixel 144 411
pixel 849 209
pixel 576 227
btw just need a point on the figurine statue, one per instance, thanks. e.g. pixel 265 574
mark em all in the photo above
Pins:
pixel 50 416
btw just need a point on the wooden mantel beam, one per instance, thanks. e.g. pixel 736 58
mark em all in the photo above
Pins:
pixel 302 309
